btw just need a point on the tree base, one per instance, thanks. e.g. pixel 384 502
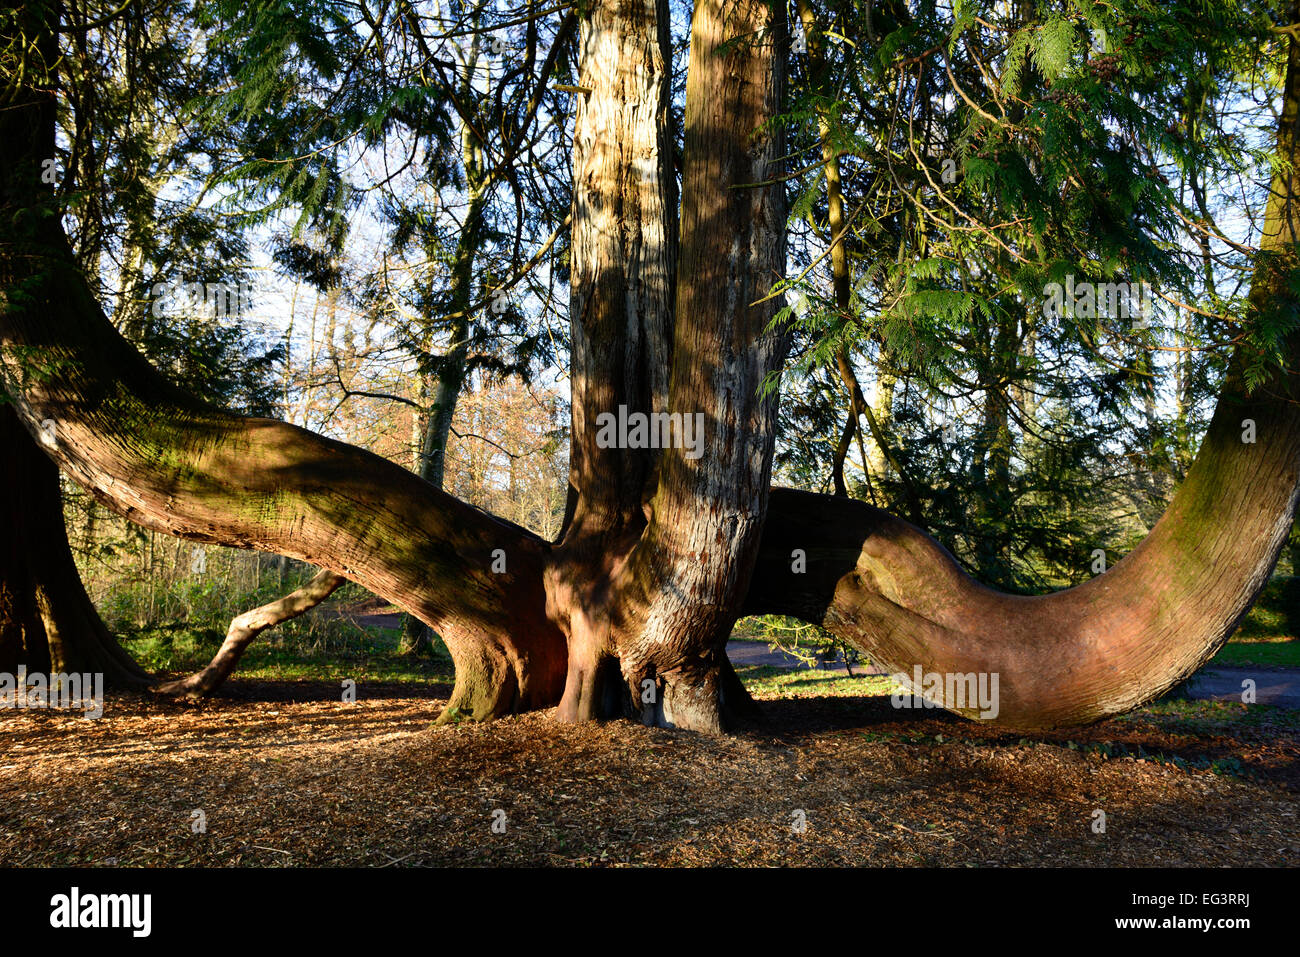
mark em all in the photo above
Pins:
pixel 47 621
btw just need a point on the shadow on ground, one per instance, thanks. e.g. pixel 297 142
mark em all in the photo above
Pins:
pixel 284 773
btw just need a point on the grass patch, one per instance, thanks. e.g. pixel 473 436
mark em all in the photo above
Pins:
pixel 1266 651
pixel 766 681
pixel 339 649
pixel 1216 717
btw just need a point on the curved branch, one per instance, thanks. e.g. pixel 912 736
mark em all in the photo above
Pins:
pixel 1075 656
pixel 1121 639
pixel 168 462
pixel 244 628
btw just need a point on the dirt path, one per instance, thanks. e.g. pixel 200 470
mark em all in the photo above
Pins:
pixel 1279 687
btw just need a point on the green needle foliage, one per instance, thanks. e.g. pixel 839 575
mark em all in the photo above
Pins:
pixel 989 151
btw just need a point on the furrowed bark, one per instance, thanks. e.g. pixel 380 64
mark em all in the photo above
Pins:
pixel 689 573
pixel 244 628
pixel 650 571
pixel 624 239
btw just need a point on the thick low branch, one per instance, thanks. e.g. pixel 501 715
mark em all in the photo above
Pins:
pixel 167 462
pixel 1080 655
pixel 1122 638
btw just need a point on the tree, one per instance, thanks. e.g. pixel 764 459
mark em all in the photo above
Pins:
pixel 662 549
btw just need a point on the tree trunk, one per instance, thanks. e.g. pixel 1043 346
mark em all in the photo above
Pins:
pixel 621 304
pixel 47 622
pixel 992 472
pixel 649 576
pixel 685 582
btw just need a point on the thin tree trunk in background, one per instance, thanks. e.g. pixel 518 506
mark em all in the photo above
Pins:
pixel 842 453
pixel 882 410
pixel 1026 396
pixel 416 636
pixel 994 444
pixel 842 283
pixel 149 575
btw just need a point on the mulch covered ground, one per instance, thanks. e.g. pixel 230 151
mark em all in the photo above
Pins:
pixel 286 774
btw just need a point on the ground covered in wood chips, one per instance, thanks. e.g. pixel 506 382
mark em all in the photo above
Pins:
pixel 284 773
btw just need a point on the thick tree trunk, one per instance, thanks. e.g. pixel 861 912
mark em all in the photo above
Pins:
pixel 47 622
pixel 686 580
pixel 649 576
pixel 624 265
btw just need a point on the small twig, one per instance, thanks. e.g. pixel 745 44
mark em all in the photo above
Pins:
pixel 941 834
